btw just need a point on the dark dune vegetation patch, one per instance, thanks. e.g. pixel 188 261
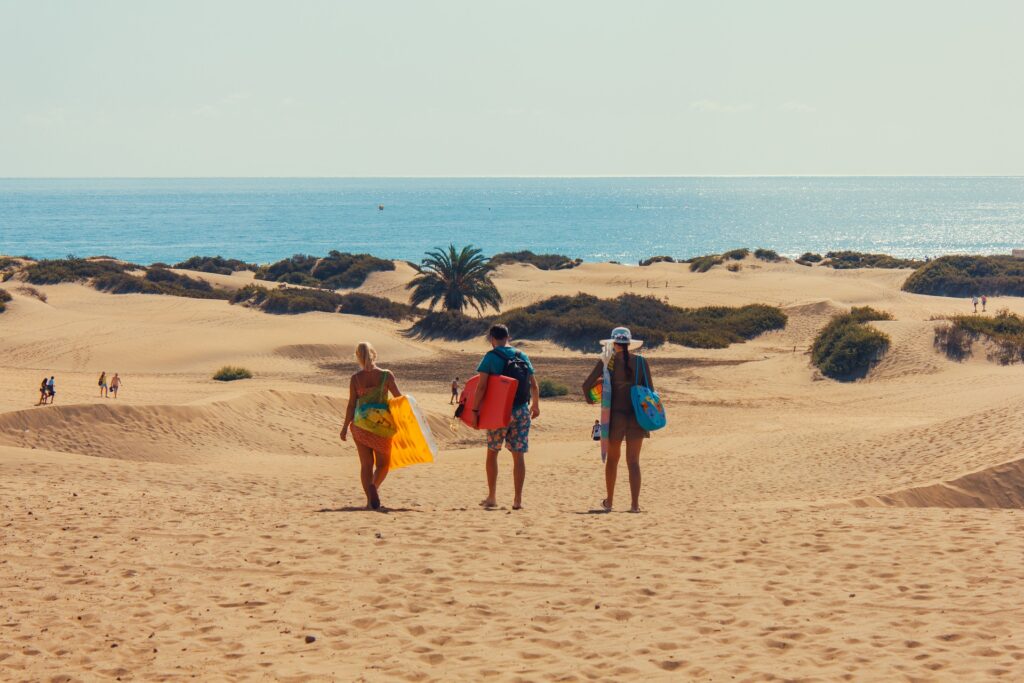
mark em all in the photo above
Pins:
pixel 968 276
pixel 849 260
pixel 769 255
pixel 5 298
pixel 293 300
pixel 72 269
pixel 158 281
pixel 809 257
pixel 337 270
pixel 580 321
pixel 847 348
pixel 214 264
pixel 540 261
pixel 1003 334
pixel 655 259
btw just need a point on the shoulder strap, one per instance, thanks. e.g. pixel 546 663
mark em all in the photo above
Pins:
pixel 640 360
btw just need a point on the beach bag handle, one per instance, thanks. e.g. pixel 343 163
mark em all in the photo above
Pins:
pixel 647 406
pixel 636 375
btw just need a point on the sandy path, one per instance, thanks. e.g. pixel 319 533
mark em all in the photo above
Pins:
pixel 794 527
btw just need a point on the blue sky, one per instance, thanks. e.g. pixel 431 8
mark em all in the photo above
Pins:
pixel 479 88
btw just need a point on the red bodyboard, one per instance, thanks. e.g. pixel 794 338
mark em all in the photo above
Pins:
pixel 496 409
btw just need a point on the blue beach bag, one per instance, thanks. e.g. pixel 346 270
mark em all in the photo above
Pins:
pixel 650 413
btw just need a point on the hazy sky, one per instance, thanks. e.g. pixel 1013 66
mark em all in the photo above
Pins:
pixel 477 88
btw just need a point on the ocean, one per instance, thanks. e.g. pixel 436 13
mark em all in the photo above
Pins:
pixel 597 219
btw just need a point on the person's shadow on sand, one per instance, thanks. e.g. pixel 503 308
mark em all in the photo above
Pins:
pixel 356 508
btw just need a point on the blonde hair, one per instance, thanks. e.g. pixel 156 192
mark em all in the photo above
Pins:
pixel 365 355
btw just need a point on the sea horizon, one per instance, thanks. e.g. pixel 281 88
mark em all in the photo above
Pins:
pixel 620 218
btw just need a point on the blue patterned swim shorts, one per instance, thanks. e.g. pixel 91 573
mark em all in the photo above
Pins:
pixel 516 436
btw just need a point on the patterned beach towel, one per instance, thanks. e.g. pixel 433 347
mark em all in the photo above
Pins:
pixel 607 356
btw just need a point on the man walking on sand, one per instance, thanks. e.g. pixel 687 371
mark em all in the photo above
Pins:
pixel 455 391
pixel 503 359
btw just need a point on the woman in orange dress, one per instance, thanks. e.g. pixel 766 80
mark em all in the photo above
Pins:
pixel 370 385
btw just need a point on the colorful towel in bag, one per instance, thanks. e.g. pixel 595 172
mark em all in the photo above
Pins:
pixel 607 356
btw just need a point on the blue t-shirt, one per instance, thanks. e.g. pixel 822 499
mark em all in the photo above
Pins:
pixel 493 363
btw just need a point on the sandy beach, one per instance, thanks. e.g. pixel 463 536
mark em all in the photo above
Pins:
pixel 794 527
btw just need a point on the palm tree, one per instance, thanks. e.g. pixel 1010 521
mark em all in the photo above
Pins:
pixel 456 279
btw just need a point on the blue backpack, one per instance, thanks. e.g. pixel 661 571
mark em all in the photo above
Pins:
pixel 650 413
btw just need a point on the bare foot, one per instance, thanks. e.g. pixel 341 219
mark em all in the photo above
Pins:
pixel 517 506
pixel 635 508
pixel 606 506
pixel 374 498
pixel 488 503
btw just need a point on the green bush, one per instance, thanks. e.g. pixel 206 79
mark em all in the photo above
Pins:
pixel 334 271
pixel 954 341
pixel 213 264
pixel 550 389
pixel 5 297
pixel 702 264
pixel 846 348
pixel 541 261
pixel 579 322
pixel 866 314
pixel 158 281
pixel 1004 331
pixel 767 255
pixel 809 257
pixel 293 300
pixel 736 254
pixel 230 373
pixel 847 260
pixel 72 269
pixel 656 259
pixel 449 325
pixel 969 276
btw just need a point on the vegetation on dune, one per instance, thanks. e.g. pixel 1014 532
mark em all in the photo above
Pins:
pixel 450 325
pixel 456 279
pixel 736 254
pixel 848 260
pixel 540 261
pixel 8 267
pixel 28 290
pixel 580 321
pixel 655 259
pixel 293 300
pixel 213 264
pixel 1004 333
pixel 702 264
pixel 230 373
pixel 767 255
pixel 158 281
pixel 969 276
pixel 72 269
pixel 847 348
pixel 810 257
pixel 337 270
pixel 5 297
pixel 550 388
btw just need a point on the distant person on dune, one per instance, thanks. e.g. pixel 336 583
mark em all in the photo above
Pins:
pixel 103 384
pixel 455 391
pixel 368 417
pixel 623 370
pixel 984 302
pixel 505 360
pixel 51 390
pixel 42 393
pixel 974 300
pixel 115 384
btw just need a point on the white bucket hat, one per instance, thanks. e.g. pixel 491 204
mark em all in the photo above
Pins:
pixel 622 335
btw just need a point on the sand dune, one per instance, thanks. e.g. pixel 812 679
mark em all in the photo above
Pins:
pixel 794 528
